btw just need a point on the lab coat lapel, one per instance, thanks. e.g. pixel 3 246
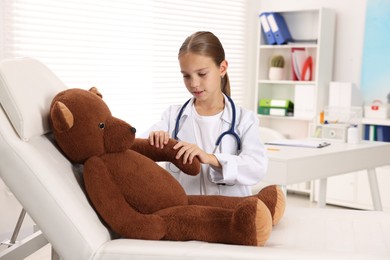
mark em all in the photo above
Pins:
pixel 186 125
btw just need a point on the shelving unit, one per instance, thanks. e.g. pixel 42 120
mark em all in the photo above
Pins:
pixel 318 24
pixel 373 121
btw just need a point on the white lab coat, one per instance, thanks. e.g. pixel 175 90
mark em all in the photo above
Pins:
pixel 239 170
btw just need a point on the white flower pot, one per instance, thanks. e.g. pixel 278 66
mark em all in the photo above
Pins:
pixel 276 73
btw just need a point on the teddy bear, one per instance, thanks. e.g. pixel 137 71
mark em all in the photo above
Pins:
pixel 136 197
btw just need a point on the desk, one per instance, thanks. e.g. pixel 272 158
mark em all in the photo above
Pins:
pixel 290 165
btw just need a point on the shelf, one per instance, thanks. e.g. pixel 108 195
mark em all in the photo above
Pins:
pixel 286 82
pixel 293 118
pixel 374 121
pixel 289 46
pixel 303 24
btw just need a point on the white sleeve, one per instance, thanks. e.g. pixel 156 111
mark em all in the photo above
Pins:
pixel 250 165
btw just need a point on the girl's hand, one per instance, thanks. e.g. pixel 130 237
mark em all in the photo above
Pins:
pixel 158 138
pixel 188 152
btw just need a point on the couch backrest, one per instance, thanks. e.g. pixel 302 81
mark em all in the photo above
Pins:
pixel 41 178
pixel 26 89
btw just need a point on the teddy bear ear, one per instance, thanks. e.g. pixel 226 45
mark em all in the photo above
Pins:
pixel 95 91
pixel 62 118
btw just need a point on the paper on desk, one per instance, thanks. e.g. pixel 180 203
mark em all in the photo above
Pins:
pixel 300 143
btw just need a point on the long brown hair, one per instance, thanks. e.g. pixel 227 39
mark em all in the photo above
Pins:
pixel 207 44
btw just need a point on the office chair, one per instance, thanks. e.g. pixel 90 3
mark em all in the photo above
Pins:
pixel 50 189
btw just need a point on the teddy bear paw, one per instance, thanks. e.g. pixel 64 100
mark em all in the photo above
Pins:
pixel 252 222
pixel 275 200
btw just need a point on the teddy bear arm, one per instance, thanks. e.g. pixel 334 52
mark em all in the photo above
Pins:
pixel 167 154
pixel 111 205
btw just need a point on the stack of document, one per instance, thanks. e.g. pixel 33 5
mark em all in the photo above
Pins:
pixel 275 107
pixel 300 143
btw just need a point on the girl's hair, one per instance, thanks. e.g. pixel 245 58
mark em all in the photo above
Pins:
pixel 207 44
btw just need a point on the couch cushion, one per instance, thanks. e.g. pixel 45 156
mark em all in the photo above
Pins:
pixel 27 99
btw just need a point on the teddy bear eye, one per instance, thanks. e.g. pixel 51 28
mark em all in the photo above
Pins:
pixel 102 125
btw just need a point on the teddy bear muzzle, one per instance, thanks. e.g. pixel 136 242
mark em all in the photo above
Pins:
pixel 118 135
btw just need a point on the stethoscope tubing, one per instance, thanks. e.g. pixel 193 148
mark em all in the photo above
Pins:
pixel 219 139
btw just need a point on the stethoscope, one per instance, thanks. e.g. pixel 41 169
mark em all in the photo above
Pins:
pixel 230 131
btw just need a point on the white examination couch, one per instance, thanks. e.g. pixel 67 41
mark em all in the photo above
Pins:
pixel 47 186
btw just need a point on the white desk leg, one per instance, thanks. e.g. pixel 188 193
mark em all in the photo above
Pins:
pixel 322 193
pixel 376 197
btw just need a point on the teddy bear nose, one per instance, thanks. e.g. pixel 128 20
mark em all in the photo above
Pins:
pixel 133 130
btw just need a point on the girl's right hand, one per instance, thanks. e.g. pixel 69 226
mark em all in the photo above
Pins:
pixel 158 138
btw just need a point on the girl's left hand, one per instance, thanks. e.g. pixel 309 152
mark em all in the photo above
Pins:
pixel 188 152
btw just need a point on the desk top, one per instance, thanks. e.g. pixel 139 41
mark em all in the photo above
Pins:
pixel 280 152
pixel 288 164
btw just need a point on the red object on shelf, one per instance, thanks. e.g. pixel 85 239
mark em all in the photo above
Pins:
pixel 307 69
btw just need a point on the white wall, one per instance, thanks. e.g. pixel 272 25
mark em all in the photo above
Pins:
pixel 350 23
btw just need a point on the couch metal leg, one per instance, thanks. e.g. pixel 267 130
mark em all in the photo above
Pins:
pixel 17 227
pixel 54 255
pixel 25 247
pixel 15 234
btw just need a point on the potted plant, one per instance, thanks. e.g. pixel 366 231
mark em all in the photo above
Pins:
pixel 276 70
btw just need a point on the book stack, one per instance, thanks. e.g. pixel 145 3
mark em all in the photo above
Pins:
pixel 301 64
pixel 275 28
pixel 275 107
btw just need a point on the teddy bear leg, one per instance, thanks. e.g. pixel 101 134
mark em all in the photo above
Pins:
pixel 252 214
pixel 250 223
pixel 274 198
pixel 226 202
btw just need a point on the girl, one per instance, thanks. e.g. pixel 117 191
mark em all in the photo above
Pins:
pixel 234 163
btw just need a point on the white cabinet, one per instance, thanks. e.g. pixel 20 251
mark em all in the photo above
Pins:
pixel 310 24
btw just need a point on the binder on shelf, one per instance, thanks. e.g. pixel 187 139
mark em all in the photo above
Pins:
pixel 269 36
pixel 274 111
pixel 275 107
pixel 383 133
pixel 281 103
pixel 279 28
pixel 377 133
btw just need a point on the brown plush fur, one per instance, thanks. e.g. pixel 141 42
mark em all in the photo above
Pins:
pixel 139 199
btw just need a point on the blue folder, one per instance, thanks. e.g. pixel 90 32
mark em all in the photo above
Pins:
pixel 279 28
pixel 269 36
pixel 381 133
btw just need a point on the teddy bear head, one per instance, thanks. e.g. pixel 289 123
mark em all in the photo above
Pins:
pixel 83 125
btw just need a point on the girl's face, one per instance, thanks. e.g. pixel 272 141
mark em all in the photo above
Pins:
pixel 201 75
